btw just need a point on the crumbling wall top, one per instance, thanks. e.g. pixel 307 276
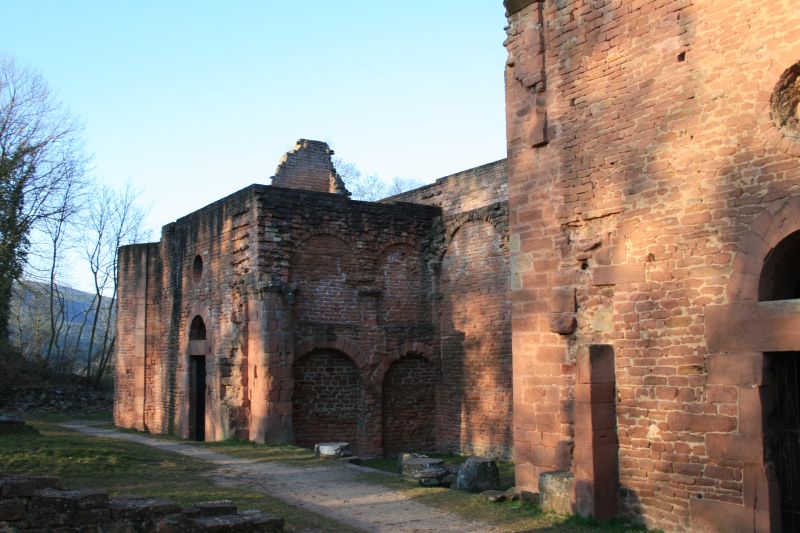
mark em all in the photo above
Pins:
pixel 309 166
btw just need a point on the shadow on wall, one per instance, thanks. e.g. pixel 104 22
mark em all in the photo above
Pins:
pixel 474 411
pixel 409 406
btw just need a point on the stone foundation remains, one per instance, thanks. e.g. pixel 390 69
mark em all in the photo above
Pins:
pixel 38 503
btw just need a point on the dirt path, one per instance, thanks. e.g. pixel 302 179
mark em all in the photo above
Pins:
pixel 330 489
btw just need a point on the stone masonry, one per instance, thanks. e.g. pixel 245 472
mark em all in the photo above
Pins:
pixel 654 205
pixel 291 313
pixel 629 273
pixel 40 503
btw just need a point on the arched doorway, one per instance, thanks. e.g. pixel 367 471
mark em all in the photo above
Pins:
pixel 780 280
pixel 197 379
pixel 326 398
pixel 409 406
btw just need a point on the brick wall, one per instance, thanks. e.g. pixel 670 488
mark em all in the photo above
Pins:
pixel 462 191
pixel 288 272
pixel 309 167
pixel 474 398
pixel 409 406
pixel 325 399
pixel 401 301
pixel 174 297
pixel 646 171
pixel 325 272
pixel 473 309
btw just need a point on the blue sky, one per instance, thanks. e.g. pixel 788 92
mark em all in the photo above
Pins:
pixel 195 100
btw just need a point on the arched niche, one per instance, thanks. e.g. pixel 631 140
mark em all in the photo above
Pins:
pixel 409 405
pixel 326 398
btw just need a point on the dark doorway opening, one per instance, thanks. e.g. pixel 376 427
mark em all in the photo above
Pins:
pixel 783 431
pixel 779 281
pixel 197 398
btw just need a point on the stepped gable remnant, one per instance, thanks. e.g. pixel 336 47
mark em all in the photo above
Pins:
pixel 654 209
pixel 291 313
pixel 309 167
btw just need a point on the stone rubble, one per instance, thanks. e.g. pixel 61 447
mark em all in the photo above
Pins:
pixel 40 503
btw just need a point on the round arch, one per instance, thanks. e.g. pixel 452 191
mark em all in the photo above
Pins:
pixel 326 398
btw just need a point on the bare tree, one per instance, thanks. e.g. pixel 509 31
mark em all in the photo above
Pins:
pixel 40 156
pixel 114 219
pixel 370 187
pixel 57 229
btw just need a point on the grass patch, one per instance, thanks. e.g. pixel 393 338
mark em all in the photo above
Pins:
pixel 511 517
pixel 387 464
pixel 121 467
pixel 128 468
pixel 273 453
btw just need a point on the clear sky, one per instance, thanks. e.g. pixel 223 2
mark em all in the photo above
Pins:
pixel 193 100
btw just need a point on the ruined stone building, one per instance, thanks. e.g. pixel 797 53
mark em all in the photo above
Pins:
pixel 648 242
pixel 291 313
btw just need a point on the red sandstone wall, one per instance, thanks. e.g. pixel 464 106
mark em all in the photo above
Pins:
pixel 174 296
pixel 287 273
pixel 644 165
pixel 473 310
pixel 474 398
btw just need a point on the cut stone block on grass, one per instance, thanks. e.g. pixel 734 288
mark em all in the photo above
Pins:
pixel 478 474
pixel 332 450
pixel 427 471
pixel 555 492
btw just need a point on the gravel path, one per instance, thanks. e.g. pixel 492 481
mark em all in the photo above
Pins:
pixel 332 489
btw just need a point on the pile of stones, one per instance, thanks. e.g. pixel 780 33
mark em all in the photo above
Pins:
pixel 476 474
pixel 36 503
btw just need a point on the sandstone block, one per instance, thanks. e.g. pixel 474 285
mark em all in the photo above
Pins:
pixel 12 509
pixel 555 492
pixel 478 474
pixel 141 508
pixel 332 450
pixel 563 323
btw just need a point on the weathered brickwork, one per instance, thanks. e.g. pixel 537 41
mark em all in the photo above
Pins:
pixel 309 301
pixel 325 400
pixel 309 167
pixel 472 309
pixel 409 405
pixel 462 191
pixel 476 348
pixel 652 166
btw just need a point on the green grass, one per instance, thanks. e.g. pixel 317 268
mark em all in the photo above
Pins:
pixel 124 468
pixel 279 453
pixel 511 517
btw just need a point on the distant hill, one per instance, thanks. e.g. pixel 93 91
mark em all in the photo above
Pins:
pixel 30 327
